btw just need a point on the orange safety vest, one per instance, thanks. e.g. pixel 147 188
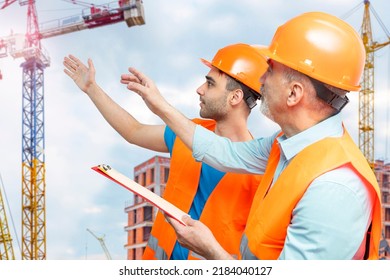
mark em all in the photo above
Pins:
pixel 271 213
pixel 225 212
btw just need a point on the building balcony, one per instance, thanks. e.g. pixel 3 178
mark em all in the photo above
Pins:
pixel 137 206
pixel 385 205
pixel 139 225
pixel 135 246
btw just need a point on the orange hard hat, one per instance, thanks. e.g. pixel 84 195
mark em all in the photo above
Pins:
pixel 242 62
pixel 321 46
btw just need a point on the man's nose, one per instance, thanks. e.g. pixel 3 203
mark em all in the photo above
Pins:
pixel 200 90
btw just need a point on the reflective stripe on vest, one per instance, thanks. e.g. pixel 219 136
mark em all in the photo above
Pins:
pixel 194 256
pixel 246 253
pixel 159 252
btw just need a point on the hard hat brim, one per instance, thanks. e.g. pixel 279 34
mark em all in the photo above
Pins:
pixel 206 62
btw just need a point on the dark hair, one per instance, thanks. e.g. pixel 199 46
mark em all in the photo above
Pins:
pixel 250 95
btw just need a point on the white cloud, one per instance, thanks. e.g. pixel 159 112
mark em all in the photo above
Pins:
pixel 93 210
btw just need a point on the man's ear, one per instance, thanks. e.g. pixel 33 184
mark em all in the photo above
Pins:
pixel 296 94
pixel 236 96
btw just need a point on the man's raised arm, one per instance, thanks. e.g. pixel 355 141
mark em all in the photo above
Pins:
pixel 145 87
pixel 143 135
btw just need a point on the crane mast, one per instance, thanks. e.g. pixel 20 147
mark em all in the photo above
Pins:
pixel 366 94
pixel 33 142
pixel 29 47
pixel 6 248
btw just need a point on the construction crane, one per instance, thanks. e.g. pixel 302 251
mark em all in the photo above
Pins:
pixel 366 94
pixel 101 241
pixel 28 46
pixel 6 247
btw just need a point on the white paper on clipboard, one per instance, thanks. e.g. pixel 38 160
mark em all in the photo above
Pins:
pixel 164 205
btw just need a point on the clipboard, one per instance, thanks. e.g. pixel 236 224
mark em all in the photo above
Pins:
pixel 162 204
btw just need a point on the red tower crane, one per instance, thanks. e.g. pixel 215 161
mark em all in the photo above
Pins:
pixel 28 46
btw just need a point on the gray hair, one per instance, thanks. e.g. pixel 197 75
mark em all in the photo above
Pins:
pixel 325 96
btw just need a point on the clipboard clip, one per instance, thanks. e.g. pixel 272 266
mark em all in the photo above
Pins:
pixel 105 167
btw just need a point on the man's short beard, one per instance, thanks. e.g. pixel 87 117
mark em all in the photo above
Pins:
pixel 264 109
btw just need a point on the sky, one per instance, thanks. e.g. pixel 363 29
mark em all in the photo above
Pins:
pixel 167 49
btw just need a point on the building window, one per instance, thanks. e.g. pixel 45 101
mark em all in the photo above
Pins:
pixel 148 213
pixel 134 236
pixel 135 216
pixel 387 214
pixel 166 174
pixel 387 232
pixel 146 234
pixel 386 179
pixel 152 175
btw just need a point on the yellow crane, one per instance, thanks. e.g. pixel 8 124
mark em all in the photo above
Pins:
pixel 6 248
pixel 101 241
pixel 366 94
